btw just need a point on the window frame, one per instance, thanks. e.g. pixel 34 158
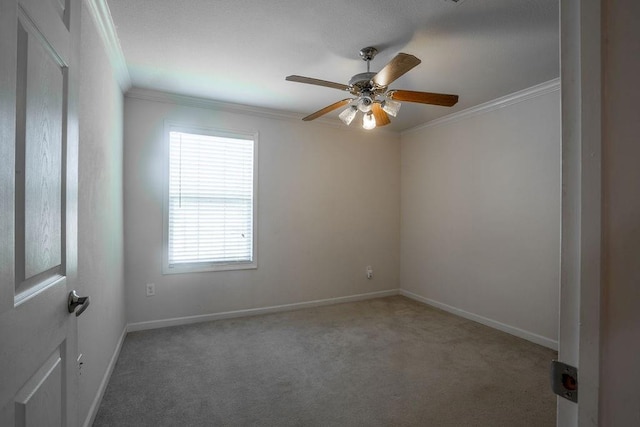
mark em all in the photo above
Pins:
pixel 195 267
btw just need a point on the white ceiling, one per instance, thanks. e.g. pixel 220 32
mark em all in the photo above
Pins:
pixel 240 51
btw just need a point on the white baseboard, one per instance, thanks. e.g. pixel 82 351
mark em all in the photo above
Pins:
pixel 521 333
pixel 93 409
pixel 140 326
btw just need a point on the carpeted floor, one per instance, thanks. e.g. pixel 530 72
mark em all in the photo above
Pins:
pixel 383 362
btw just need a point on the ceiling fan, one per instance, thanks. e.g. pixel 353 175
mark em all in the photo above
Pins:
pixel 372 96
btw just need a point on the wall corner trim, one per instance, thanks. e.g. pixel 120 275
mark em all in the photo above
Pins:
pixel 99 11
pixel 521 333
pixel 163 323
pixel 95 405
pixel 505 101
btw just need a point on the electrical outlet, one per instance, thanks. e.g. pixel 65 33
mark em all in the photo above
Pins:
pixel 151 289
pixel 369 271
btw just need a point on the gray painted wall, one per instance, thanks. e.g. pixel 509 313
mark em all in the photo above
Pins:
pixel 328 206
pixel 100 241
pixel 481 214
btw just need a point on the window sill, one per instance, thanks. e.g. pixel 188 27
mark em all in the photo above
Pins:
pixel 200 268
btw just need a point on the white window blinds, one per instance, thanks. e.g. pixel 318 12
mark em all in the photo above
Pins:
pixel 211 197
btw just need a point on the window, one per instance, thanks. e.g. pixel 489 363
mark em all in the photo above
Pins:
pixel 209 200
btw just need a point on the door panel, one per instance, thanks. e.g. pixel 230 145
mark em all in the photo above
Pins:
pixel 39 101
pixel 39 41
pixel 39 402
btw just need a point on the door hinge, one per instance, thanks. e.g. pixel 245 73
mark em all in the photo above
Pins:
pixel 564 380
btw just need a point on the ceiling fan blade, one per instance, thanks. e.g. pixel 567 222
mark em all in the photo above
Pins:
pixel 326 110
pixel 423 97
pixel 317 82
pixel 399 65
pixel 382 119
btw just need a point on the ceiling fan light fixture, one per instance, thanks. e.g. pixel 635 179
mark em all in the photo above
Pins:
pixel 348 114
pixel 368 121
pixel 364 104
pixel 371 94
pixel 391 107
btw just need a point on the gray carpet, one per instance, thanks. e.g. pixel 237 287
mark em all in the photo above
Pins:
pixel 383 362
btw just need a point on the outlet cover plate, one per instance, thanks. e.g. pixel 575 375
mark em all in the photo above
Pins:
pixel 151 289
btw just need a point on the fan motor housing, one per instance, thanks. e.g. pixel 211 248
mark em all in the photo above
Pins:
pixel 362 81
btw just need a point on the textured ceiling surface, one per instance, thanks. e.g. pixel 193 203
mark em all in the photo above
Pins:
pixel 240 51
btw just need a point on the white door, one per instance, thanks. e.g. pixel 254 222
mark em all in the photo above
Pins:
pixel 39 41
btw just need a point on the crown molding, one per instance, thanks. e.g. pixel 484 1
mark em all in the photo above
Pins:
pixel 194 101
pixel 228 107
pixel 505 101
pixel 99 11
